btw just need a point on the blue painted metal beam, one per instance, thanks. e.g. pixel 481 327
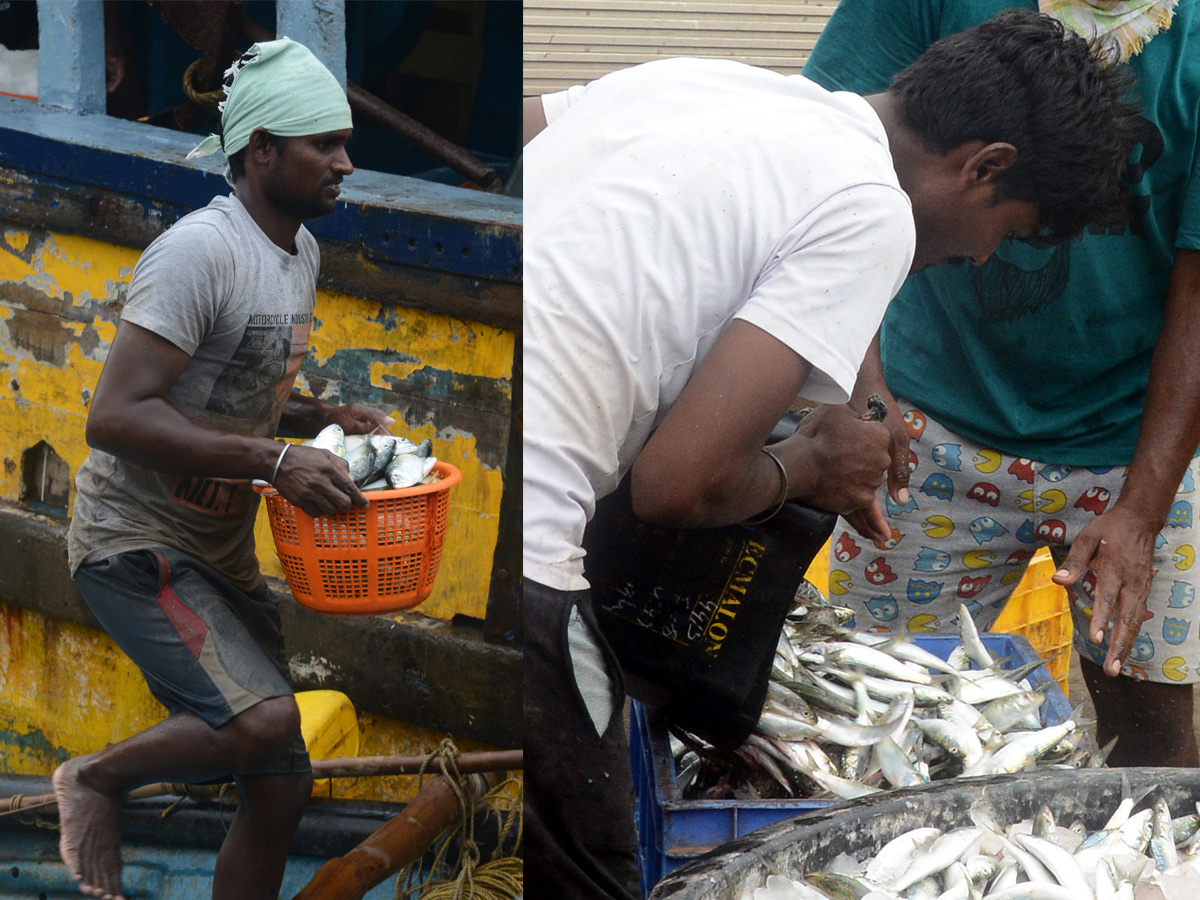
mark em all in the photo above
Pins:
pixel 393 218
pixel 320 25
pixel 71 70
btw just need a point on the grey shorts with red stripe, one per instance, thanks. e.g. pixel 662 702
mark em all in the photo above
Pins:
pixel 202 644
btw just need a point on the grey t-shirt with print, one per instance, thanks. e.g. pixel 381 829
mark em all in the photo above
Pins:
pixel 215 286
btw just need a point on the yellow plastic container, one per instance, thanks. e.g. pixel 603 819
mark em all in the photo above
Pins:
pixel 1040 610
pixel 330 728
pixel 818 570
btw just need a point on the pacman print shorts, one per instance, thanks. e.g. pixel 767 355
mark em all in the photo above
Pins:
pixel 975 517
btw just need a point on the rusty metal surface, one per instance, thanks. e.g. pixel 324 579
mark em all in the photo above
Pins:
pixel 127 221
pixel 202 23
pixel 211 27
pixel 441 377
pixel 377 112
pixel 375 272
pixel 418 670
pixel 493 303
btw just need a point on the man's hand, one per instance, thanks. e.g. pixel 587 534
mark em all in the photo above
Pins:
pixel 1119 548
pixel 317 481
pixel 898 450
pixel 306 416
pixel 848 458
pixel 869 521
pixel 356 418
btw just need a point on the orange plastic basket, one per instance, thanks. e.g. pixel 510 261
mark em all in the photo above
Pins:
pixel 362 562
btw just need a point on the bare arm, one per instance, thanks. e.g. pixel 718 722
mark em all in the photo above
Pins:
pixel 533 119
pixel 703 465
pixel 1119 545
pixel 130 418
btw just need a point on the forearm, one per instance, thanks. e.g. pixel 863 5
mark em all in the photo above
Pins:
pixel 153 434
pixel 533 118
pixel 870 376
pixel 703 466
pixel 304 415
pixel 834 461
pixel 751 485
pixel 1160 460
pixel 1170 429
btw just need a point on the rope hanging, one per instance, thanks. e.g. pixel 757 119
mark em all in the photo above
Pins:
pixel 208 98
pixel 15 810
pixel 501 878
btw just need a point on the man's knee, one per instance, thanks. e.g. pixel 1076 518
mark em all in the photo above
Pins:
pixel 265 731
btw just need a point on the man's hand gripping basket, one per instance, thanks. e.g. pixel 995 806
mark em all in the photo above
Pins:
pixel 380 559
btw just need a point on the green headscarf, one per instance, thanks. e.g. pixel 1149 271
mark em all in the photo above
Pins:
pixel 280 86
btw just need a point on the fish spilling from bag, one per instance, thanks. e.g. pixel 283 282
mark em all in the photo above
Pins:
pixel 380 462
pixel 1144 855
pixel 850 714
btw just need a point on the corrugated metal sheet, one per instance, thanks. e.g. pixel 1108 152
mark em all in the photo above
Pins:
pixel 149 871
pixel 572 41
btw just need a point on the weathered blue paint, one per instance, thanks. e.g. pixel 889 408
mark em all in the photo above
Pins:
pixel 393 218
pixel 31 868
pixel 71 71
pixel 318 24
pixel 33 743
pixel 353 367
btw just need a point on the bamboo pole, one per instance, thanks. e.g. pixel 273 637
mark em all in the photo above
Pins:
pixel 479 761
pixel 400 841
pixel 344 767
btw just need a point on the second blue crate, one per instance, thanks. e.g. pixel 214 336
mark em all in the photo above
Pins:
pixel 672 830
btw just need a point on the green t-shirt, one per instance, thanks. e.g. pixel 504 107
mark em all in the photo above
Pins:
pixel 1039 353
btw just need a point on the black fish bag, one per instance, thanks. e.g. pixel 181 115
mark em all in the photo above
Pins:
pixel 694 615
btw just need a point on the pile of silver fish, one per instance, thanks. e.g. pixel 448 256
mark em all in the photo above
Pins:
pixel 379 462
pixel 1144 855
pixel 849 714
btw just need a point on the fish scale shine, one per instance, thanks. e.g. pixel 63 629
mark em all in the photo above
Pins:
pixel 990 862
pixel 830 689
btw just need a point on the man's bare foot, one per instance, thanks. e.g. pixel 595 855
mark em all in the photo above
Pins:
pixel 90 822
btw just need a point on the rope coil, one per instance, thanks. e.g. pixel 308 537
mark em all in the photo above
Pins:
pixel 15 810
pixel 501 878
pixel 208 98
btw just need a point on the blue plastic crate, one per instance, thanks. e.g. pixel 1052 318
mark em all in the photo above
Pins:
pixel 672 830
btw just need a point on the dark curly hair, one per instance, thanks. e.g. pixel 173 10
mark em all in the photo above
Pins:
pixel 1023 79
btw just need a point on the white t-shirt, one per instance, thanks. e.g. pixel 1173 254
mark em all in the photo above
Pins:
pixel 661 202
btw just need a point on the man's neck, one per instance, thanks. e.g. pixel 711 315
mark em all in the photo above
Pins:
pixel 903 144
pixel 280 228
